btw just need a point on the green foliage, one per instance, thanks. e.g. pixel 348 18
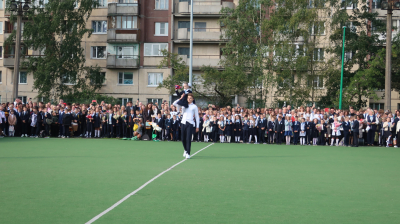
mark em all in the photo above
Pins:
pixel 54 31
pixel 358 83
pixel 181 71
pixel 86 97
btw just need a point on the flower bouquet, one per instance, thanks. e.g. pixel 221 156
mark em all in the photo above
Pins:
pixel 319 127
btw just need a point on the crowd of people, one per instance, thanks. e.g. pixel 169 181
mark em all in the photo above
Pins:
pixel 298 126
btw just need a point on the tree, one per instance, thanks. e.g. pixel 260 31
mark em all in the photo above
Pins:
pixel 297 28
pixel 54 30
pixel 361 45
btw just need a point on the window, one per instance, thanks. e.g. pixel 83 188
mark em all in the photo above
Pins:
pixel 161 4
pixel 155 79
pixel 184 24
pixel 124 101
pixel 285 81
pixel 318 29
pixel 376 4
pixel 0 99
pixel 348 55
pixel 128 1
pixel 126 52
pixel 68 80
pixel 1 4
pixel 318 54
pixel 1 51
pixel 1 27
pixel 316 82
pixel 23 99
pixel 125 78
pixel 317 3
pixel 184 51
pixel 102 3
pixel 352 28
pixel 99 52
pixel 154 101
pixel 101 76
pixel 197 79
pixel 348 4
pixel 161 29
pixel 200 27
pixel 23 78
pixel 40 3
pixel 377 106
pixel 123 22
pixel 1 76
pixel 99 27
pixel 154 49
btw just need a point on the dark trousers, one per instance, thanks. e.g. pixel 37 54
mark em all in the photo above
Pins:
pixel 279 136
pixel 110 130
pixel 270 137
pixel 346 136
pixel 261 135
pixel 33 131
pixel 245 135
pixel 355 139
pixel 308 136
pixel 124 129
pixel 118 131
pixel 175 135
pixel 130 131
pixel 321 138
pixel 370 137
pixel 187 136
pixel 66 131
pixel 296 137
pixel 47 129
pixel 61 130
pixel 39 128
pixel 167 133
pixel 24 128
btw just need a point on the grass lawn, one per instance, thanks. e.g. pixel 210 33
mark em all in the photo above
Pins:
pixel 72 180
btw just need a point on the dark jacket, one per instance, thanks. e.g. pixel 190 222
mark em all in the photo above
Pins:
pixel 167 124
pixel 296 126
pixel 280 126
pixel 346 127
pixel 66 119
pixel 356 126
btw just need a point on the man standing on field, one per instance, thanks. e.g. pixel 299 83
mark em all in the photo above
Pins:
pixel 188 123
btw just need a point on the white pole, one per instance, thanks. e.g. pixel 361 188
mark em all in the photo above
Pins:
pixel 191 44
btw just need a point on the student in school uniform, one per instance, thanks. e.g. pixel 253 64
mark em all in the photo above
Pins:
pixel 372 123
pixel 296 129
pixel 159 121
pixel 110 124
pixel 175 128
pixel 206 128
pixel 67 119
pixel 89 122
pixel 279 130
pixel 314 131
pixel 288 129
pixel 34 123
pixel 199 135
pixel 335 131
pixel 25 122
pixel 12 122
pixel 131 123
pixel 40 119
pixel 47 125
pixel 356 131
pixel 271 130
pixel 228 129
pixel 262 125
pixel 303 131
pixel 214 129
pixel 246 127
pixel 237 128
pixel 387 130
pixel 322 132
pixel 346 130
pixel 96 123
pixel 308 131
pixel 221 129
pixel 168 126
pixel 60 122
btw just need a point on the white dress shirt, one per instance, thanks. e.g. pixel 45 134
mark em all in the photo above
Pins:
pixel 189 113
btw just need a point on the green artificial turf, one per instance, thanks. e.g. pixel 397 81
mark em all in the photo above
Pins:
pixel 73 180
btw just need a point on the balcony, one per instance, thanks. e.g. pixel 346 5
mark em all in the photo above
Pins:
pixel 203 8
pixel 123 35
pixel 203 60
pixel 200 35
pixel 9 59
pixel 122 61
pixel 126 9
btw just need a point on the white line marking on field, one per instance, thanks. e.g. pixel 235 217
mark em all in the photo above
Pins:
pixel 140 188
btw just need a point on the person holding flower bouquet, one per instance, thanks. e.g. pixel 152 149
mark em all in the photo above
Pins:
pixel 125 124
pixel 335 131
pixel 315 129
pixel 118 124
pixel 346 131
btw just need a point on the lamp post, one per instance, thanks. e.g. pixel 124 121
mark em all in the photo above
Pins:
pixel 191 45
pixel 19 7
pixel 389 6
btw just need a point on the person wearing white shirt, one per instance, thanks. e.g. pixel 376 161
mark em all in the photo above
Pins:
pixel 188 123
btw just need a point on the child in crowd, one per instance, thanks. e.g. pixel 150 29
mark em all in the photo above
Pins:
pixel 228 128
pixel 296 129
pixel 167 126
pixel 271 131
pixel 303 131
pixel 288 129
pixel 221 129
pixel 25 122
pixel 206 128
pixel 252 130
pixel 335 131
pixel 314 131
pixel 34 122
pixel 246 126
pixel 387 130
pixel 237 128
pixel 118 124
pixel 12 121
pixel 214 129
pixel 89 122
pixel 96 123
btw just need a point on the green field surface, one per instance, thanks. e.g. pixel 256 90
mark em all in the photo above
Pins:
pixel 73 180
